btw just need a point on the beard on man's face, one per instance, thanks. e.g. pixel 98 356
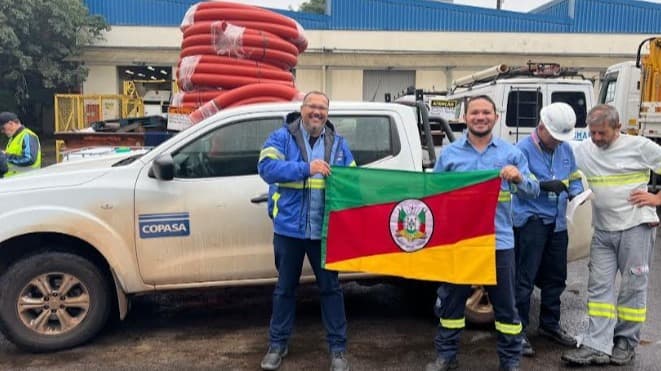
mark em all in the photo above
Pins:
pixel 480 134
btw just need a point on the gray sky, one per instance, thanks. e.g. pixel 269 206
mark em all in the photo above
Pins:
pixel 516 5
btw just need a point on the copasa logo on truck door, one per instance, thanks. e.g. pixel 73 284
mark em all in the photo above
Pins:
pixel 164 225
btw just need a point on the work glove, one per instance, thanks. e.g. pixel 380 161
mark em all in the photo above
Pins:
pixel 555 186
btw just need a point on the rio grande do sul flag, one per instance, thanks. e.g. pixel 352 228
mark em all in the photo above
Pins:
pixel 427 226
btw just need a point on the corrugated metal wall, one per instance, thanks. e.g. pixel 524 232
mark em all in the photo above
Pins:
pixel 601 16
pixel 558 8
pixel 404 15
pixel 141 12
pixel 624 16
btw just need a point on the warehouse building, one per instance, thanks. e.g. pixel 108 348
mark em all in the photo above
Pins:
pixel 362 49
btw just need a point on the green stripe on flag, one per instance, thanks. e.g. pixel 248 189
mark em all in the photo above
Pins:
pixel 353 186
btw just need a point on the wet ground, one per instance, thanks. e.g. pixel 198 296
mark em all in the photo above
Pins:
pixel 390 328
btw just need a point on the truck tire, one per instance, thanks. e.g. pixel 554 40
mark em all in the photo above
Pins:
pixel 52 301
pixel 479 310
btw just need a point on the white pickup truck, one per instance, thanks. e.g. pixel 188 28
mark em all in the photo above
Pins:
pixel 79 238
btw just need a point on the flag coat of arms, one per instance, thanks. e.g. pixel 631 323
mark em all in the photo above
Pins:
pixel 427 226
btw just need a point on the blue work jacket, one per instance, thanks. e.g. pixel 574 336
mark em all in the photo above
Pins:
pixel 296 199
pixel 558 164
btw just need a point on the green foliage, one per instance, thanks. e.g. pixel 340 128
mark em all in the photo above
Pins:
pixel 41 43
pixel 313 6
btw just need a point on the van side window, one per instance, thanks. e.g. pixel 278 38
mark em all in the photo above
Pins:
pixel 523 108
pixel 229 150
pixel 576 100
pixel 370 138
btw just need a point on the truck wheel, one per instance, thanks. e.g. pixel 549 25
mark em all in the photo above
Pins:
pixel 479 310
pixel 52 301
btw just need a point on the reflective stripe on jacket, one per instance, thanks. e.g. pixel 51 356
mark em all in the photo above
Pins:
pixel 296 199
pixel 613 173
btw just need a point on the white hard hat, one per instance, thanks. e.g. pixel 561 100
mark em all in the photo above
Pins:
pixel 559 120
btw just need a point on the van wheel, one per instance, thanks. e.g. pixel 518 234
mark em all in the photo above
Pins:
pixel 479 310
pixel 52 301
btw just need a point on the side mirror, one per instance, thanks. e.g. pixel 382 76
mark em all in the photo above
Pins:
pixel 162 168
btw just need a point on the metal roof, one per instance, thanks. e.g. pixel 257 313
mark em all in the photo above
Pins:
pixel 580 16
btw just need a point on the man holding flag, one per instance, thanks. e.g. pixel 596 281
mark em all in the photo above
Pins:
pixel 294 162
pixel 480 150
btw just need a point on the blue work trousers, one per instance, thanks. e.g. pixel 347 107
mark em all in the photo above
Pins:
pixel 541 260
pixel 453 304
pixel 289 254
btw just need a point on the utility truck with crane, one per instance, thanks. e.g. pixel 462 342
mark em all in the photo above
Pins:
pixel 634 89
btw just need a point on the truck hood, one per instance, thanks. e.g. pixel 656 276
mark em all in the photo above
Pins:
pixel 64 174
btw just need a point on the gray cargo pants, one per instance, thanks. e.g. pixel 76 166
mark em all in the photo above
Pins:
pixel 628 252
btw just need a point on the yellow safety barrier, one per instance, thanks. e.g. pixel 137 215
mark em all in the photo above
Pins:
pixel 75 112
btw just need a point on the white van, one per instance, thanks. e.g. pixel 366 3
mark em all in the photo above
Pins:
pixel 521 92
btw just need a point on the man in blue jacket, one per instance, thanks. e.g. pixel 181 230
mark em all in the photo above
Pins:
pixel 540 223
pixel 480 150
pixel 294 162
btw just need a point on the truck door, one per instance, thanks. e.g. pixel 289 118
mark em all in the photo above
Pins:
pixel 521 104
pixel 620 89
pixel 201 226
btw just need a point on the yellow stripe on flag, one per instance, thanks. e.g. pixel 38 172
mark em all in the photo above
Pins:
pixel 469 261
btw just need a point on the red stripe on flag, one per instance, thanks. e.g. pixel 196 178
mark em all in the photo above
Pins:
pixel 460 214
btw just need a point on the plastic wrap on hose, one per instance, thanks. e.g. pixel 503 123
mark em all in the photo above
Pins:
pixel 186 70
pixel 207 81
pixel 234 54
pixel 290 34
pixel 206 110
pixel 233 70
pixel 177 100
pixel 265 55
pixel 247 93
pixel 227 39
pixel 238 13
pixel 189 16
pixel 220 60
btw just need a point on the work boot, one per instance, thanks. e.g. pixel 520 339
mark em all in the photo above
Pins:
pixel 623 352
pixel 273 358
pixel 526 348
pixel 442 364
pixel 558 335
pixel 339 362
pixel 586 356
